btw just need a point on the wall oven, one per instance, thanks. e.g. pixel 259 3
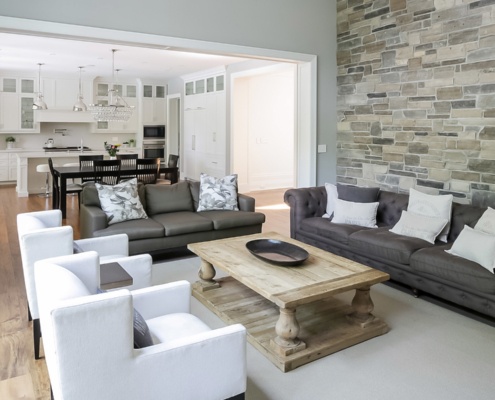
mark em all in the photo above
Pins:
pixel 154 149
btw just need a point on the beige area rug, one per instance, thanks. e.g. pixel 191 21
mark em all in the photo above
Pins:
pixel 429 353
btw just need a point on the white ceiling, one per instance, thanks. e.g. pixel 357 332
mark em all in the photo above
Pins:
pixel 61 56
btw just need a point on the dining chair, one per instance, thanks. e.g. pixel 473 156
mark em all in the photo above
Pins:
pixel 71 188
pixel 106 172
pixel 147 170
pixel 127 161
pixel 173 162
pixel 86 161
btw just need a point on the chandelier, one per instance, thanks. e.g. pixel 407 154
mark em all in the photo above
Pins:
pixel 117 108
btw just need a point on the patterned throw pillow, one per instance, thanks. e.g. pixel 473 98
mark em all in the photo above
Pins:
pixel 121 202
pixel 218 193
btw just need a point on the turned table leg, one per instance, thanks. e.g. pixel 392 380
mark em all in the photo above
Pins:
pixel 287 329
pixel 362 306
pixel 206 274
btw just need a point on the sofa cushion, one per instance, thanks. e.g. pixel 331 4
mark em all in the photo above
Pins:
pixel 233 219
pixel 168 198
pixel 183 222
pixel 135 229
pixel 436 262
pixel 176 326
pixel 332 196
pixel 357 194
pixel 390 207
pixel 325 228
pixel 463 214
pixel 386 245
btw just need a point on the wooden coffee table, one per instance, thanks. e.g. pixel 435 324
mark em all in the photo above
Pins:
pixel 290 313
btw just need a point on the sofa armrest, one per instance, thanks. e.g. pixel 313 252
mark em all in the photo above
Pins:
pixel 246 203
pixel 305 203
pixel 91 219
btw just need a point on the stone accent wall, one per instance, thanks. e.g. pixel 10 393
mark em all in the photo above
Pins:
pixel 416 96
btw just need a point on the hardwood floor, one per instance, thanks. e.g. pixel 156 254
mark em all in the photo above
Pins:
pixel 21 376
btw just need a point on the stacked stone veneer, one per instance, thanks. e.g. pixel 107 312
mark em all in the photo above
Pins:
pixel 416 96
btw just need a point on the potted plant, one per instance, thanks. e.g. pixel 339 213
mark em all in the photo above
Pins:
pixel 125 144
pixel 112 150
pixel 10 142
pixel 132 142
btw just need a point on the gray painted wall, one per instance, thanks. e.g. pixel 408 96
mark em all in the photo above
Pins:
pixel 291 25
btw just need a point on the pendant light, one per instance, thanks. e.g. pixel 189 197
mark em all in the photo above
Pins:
pixel 80 106
pixel 117 108
pixel 39 103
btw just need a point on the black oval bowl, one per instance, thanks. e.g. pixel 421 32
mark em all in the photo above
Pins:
pixel 277 252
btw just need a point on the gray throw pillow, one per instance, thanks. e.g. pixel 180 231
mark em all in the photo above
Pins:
pixel 142 334
pixel 357 194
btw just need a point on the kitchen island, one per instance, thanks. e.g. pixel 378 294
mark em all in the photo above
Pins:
pixel 29 181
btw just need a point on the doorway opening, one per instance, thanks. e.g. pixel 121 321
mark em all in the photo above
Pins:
pixel 263 127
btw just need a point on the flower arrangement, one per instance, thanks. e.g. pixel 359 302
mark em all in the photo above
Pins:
pixel 112 149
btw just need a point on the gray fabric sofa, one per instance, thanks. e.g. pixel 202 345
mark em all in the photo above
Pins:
pixel 423 266
pixel 172 221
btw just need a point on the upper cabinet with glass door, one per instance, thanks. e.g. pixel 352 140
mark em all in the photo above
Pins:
pixel 154 104
pixel 16 105
pixel 202 85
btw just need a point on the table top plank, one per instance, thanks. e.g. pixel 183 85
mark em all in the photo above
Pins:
pixel 322 275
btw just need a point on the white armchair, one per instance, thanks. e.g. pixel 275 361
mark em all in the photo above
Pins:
pixel 42 236
pixel 89 340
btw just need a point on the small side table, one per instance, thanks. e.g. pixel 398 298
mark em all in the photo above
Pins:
pixel 112 276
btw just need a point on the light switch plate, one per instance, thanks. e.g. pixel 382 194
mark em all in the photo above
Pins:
pixel 322 148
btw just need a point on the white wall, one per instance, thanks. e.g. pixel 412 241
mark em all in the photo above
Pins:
pixel 288 25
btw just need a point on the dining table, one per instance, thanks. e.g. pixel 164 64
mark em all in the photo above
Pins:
pixel 64 173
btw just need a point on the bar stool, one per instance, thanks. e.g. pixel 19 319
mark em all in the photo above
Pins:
pixel 45 168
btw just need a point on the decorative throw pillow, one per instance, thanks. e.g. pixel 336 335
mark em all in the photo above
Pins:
pixel 332 197
pixel 358 194
pixel 362 214
pixel 121 202
pixel 218 193
pixel 476 246
pixel 419 226
pixel 142 334
pixel 76 249
pixel 432 206
pixel 487 222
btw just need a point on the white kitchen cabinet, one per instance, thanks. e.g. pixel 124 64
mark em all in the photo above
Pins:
pixel 154 105
pixel 61 94
pixel 4 167
pixel 205 131
pixel 16 106
pixel 8 166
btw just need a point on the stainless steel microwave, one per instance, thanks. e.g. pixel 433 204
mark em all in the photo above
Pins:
pixel 153 132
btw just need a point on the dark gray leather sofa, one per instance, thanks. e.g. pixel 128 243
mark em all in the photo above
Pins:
pixel 410 261
pixel 172 218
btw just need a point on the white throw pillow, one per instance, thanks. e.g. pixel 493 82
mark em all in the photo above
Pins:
pixel 487 222
pixel 121 202
pixel 218 193
pixel 362 214
pixel 432 206
pixel 419 226
pixel 332 197
pixel 476 246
